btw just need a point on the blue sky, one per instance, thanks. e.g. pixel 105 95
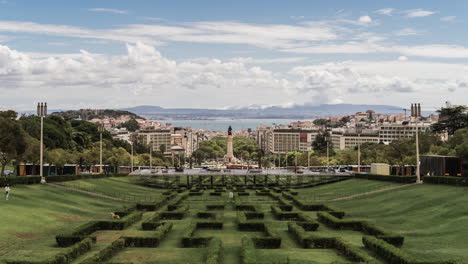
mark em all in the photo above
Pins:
pixel 227 54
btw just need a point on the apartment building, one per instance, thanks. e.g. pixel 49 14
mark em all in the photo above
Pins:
pixel 281 140
pixel 391 132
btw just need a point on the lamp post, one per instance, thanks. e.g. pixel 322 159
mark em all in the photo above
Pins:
pixel 101 130
pixel 42 112
pixel 131 157
pixel 359 131
pixel 308 160
pixel 416 114
pixel 151 157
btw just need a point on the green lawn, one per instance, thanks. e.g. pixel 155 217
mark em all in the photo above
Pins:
pixel 34 214
pixel 343 188
pixel 120 187
pixel 433 218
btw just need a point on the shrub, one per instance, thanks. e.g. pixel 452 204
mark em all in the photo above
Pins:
pixel 282 215
pixel 215 207
pixel 152 241
pixel 248 255
pixel 65 257
pixel 361 226
pixel 188 238
pixel 450 180
pixel 108 252
pixel 272 239
pixel 391 178
pixel 245 225
pixel 214 252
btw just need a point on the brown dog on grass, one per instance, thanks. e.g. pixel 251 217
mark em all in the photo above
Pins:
pixel 115 216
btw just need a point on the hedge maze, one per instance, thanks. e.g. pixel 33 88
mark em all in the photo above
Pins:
pixel 203 225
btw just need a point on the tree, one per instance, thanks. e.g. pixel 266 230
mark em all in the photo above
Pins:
pixel 162 148
pixel 321 122
pixel 319 145
pixel 12 140
pixel 131 125
pixel 451 119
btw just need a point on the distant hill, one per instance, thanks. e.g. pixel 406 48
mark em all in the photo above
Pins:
pixel 276 112
pixel 88 114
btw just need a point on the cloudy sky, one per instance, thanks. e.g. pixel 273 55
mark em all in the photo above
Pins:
pixel 229 54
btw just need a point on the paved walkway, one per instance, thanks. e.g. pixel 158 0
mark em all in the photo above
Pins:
pixel 371 192
pixel 85 192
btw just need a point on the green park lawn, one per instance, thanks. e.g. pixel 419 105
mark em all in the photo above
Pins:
pixel 34 214
pixel 343 188
pixel 119 187
pixel 431 217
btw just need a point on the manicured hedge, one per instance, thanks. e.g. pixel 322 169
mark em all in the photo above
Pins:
pixel 272 239
pixel 394 255
pixel 283 215
pixel 83 231
pixel 188 238
pixel 313 241
pixel 214 252
pixel 151 241
pixel 153 206
pixel 107 252
pixel 65 257
pixel 450 180
pixel 362 226
pixel 391 178
pixel 215 206
pixel 251 225
pixel 248 254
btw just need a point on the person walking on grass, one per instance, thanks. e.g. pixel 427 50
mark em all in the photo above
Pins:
pixel 7 191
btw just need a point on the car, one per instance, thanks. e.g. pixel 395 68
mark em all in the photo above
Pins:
pixel 8 173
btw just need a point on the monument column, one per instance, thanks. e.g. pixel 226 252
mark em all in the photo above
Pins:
pixel 229 157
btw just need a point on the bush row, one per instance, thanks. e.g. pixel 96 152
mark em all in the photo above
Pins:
pixel 65 257
pixel 153 206
pixel 107 252
pixel 284 215
pixel 394 255
pixel 215 206
pixel 83 231
pixel 362 226
pixel 214 252
pixel 188 238
pixel 248 254
pixel 313 241
pixel 272 239
pixel 249 225
pixel 315 207
pixel 450 180
pixel 391 178
pixel 151 241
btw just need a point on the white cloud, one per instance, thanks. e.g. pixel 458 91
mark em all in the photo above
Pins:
pixel 365 19
pixel 407 32
pixel 385 11
pixel 108 10
pixel 70 31
pixel 419 13
pixel 297 17
pixel 448 18
pixel 144 76
pixel 402 58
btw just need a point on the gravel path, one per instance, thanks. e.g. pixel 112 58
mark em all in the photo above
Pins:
pixel 85 192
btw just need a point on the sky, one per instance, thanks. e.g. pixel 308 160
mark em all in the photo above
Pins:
pixel 232 54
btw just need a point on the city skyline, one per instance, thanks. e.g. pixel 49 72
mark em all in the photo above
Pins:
pixel 230 55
